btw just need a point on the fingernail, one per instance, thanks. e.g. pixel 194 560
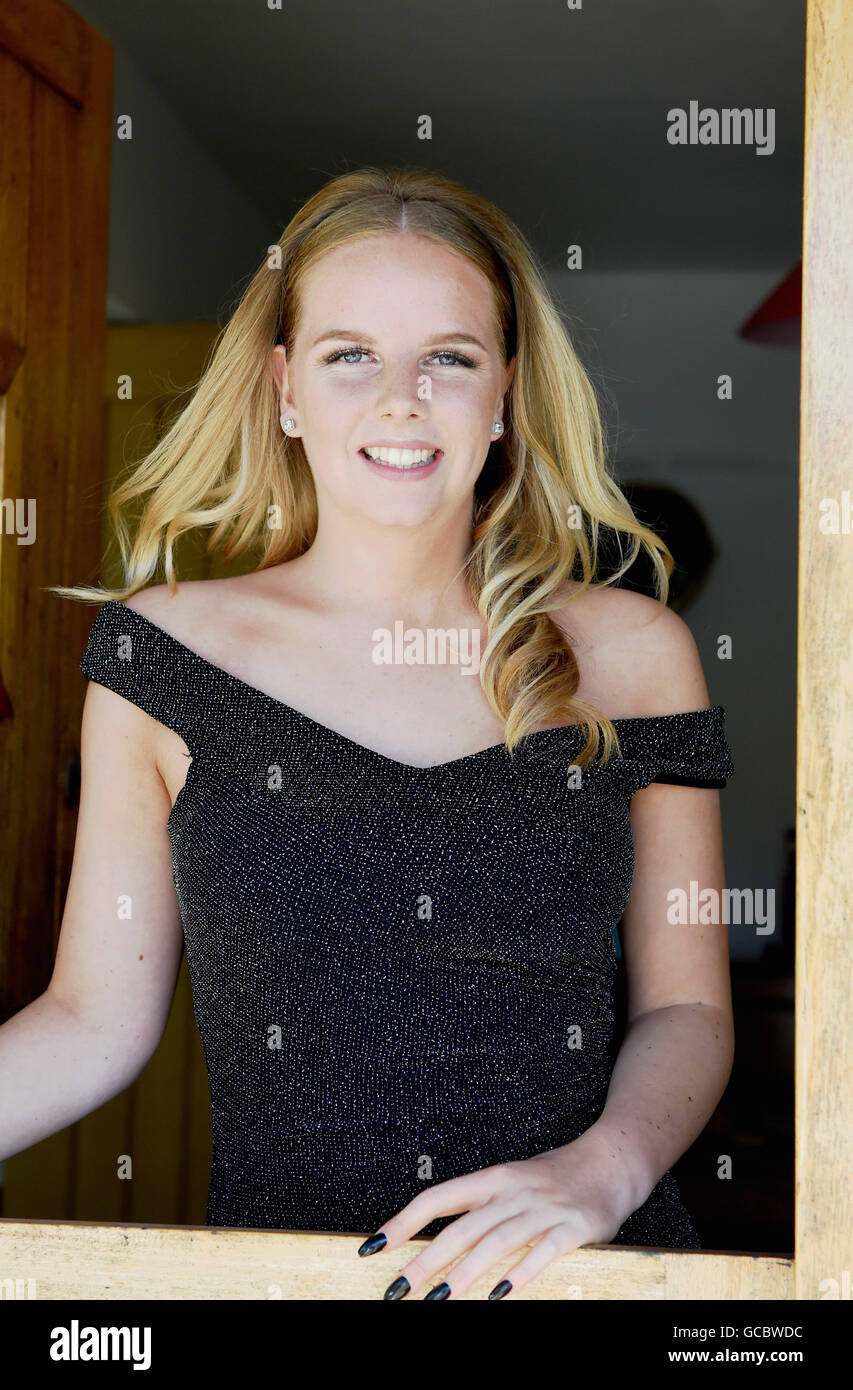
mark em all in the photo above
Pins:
pixel 373 1244
pixel 398 1289
pixel 500 1290
pixel 440 1291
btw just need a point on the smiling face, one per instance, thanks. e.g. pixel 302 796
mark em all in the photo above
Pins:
pixel 396 346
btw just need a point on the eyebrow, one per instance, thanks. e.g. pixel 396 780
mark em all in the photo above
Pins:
pixel 365 338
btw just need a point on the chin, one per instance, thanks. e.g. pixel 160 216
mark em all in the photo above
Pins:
pixel 399 514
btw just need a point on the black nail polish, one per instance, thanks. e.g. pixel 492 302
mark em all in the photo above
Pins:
pixel 440 1291
pixel 398 1289
pixel 500 1290
pixel 373 1243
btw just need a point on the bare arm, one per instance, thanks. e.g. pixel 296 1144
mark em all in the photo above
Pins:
pixel 671 1070
pixel 91 1033
pixel 677 1054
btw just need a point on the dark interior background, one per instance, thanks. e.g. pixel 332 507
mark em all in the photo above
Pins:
pixel 560 116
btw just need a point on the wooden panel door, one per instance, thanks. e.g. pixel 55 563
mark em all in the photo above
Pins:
pixel 55 142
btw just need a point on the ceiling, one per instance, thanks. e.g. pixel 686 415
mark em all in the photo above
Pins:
pixel 559 115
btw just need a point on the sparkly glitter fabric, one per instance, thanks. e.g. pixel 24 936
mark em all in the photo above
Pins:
pixel 400 974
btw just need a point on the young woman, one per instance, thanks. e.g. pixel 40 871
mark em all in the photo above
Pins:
pixel 398 885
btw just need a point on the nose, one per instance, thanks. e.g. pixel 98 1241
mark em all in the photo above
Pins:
pixel 398 392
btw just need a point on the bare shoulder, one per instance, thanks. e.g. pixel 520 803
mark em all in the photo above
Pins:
pixel 640 657
pixel 192 612
pixel 159 601
pixel 215 617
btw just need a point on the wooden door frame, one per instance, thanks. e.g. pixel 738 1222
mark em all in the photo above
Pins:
pixel 76 1260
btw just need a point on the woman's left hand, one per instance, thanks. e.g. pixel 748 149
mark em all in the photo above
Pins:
pixel 558 1200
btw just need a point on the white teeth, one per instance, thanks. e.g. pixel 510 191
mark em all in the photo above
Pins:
pixel 400 458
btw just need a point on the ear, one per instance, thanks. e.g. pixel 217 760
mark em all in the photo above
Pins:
pixel 510 373
pixel 278 363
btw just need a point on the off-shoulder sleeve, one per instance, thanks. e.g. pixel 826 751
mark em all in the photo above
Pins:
pixel 135 658
pixel 686 750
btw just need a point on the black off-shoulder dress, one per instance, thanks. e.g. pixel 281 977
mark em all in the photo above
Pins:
pixel 400 974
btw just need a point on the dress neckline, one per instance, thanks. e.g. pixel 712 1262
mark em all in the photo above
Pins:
pixel 254 692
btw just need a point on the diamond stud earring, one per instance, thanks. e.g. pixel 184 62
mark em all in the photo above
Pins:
pixel 287 423
pixel 497 427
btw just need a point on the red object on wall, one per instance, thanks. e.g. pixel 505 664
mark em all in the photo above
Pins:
pixel 779 319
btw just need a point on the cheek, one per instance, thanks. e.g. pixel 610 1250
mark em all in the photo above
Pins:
pixel 464 399
pixel 336 389
pixel 464 403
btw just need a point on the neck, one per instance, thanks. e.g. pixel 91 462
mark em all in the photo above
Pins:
pixel 414 573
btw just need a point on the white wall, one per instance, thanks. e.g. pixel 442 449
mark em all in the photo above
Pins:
pixel 657 342
pixel 181 234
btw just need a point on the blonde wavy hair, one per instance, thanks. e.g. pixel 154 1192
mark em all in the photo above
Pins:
pixel 543 494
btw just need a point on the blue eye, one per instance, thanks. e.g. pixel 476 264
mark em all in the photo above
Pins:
pixel 341 354
pixel 460 359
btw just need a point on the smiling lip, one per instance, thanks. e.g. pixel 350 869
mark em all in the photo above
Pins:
pixel 387 470
pixel 400 444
